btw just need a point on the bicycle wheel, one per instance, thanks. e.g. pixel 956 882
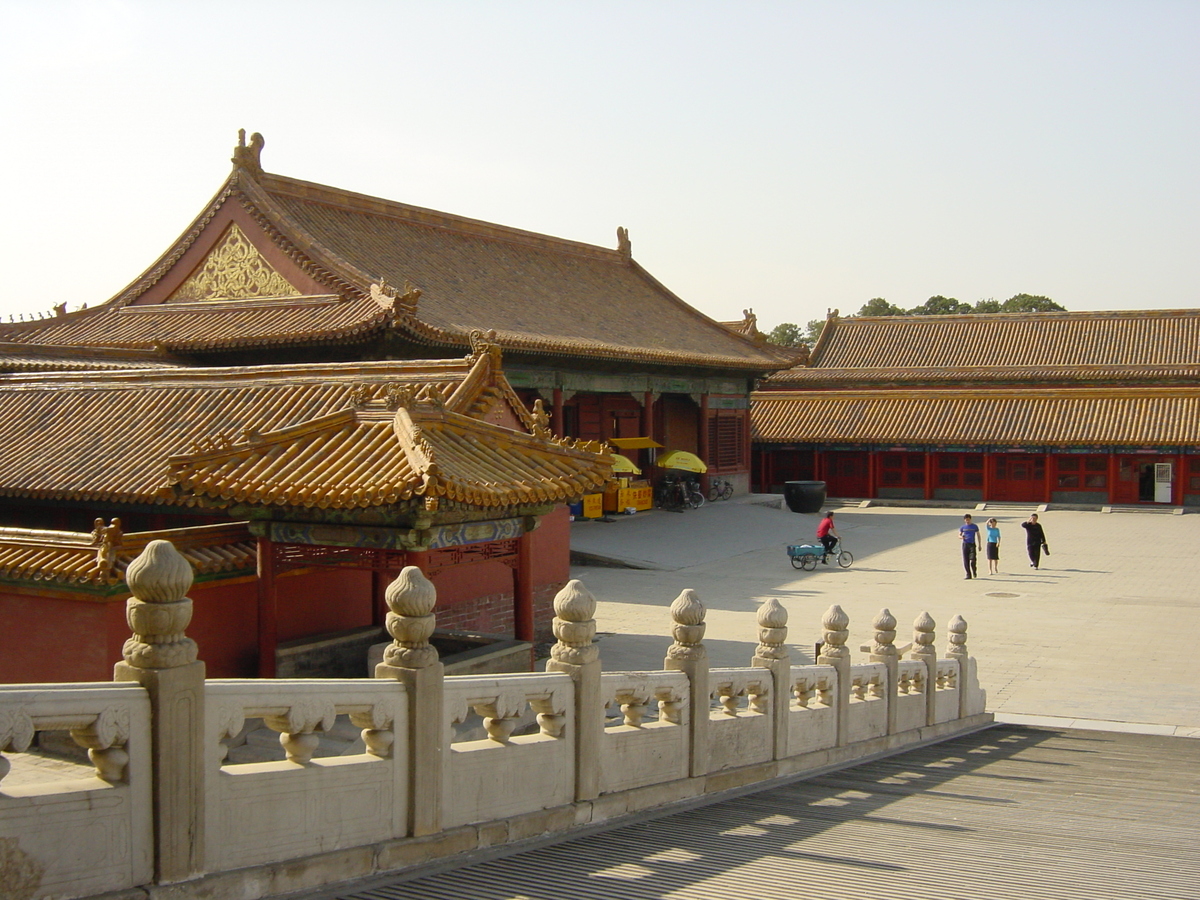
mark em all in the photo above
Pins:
pixel 714 491
pixel 727 491
pixel 810 563
pixel 695 499
pixel 798 562
pixel 845 558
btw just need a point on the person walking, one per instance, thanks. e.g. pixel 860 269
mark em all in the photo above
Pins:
pixel 993 546
pixel 1035 541
pixel 828 536
pixel 969 533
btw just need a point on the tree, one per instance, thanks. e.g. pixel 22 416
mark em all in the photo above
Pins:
pixel 1030 303
pixel 786 334
pixel 940 306
pixel 815 327
pixel 877 306
pixel 987 306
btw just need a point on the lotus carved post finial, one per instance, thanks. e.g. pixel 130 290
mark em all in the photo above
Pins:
pixel 688 614
pixel 772 630
pixel 411 599
pixel 159 612
pixel 574 625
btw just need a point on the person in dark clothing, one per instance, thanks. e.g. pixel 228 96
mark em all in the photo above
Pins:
pixel 969 532
pixel 1035 541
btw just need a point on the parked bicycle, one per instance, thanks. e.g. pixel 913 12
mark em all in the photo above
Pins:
pixel 678 494
pixel 719 488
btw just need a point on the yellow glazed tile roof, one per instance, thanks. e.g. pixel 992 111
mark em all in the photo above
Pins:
pixel 68 557
pixel 1135 417
pixel 541 295
pixel 108 437
pixel 980 347
pixel 376 457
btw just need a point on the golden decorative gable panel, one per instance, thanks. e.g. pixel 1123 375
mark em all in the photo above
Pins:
pixel 233 270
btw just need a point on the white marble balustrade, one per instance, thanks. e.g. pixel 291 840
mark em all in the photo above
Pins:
pixel 263 812
pixel 648 742
pixel 105 818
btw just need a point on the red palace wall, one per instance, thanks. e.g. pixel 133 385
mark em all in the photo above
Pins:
pixel 53 639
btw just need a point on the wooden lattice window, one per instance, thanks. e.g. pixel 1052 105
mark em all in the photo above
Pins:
pixel 727 441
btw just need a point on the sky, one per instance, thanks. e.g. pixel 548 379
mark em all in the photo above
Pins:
pixel 788 157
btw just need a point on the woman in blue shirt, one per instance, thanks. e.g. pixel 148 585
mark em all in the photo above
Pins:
pixel 993 546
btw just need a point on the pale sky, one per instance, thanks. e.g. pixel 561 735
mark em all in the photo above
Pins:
pixel 785 156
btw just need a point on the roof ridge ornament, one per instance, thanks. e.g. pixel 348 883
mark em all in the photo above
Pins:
pixel 249 157
pixel 402 305
pixel 483 343
pixel 624 247
pixel 541 421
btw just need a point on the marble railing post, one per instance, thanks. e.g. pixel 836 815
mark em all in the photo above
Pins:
pixel 413 661
pixel 958 653
pixel 923 649
pixel 576 654
pixel 162 659
pixel 884 651
pixel 688 655
pixel 772 653
pixel 834 652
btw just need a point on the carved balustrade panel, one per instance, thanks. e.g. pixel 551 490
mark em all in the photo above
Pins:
pixel 867 710
pixel 740 717
pixel 911 675
pixel 101 811
pixel 945 690
pixel 308 802
pixel 521 758
pixel 812 712
pixel 646 739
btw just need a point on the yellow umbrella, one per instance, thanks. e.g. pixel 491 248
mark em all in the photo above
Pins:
pixel 624 464
pixel 681 459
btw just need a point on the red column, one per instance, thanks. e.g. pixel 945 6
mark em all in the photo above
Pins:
pixel 1113 474
pixel 987 476
pixel 928 475
pixel 646 456
pixel 379 608
pixel 702 443
pixel 523 589
pixel 1178 480
pixel 556 413
pixel 268 613
pixel 818 466
pixel 1047 477
pixel 872 473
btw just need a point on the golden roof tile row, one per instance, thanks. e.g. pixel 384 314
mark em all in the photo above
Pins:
pixel 1136 417
pixel 269 435
pixel 67 557
pixel 1158 338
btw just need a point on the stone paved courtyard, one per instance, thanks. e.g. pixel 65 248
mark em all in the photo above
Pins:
pixel 1103 631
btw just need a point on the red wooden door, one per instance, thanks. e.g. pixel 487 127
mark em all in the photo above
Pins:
pixel 846 473
pixel 1018 476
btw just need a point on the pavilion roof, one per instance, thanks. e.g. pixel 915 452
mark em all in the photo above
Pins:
pixel 1135 417
pixel 304 434
pixel 275 261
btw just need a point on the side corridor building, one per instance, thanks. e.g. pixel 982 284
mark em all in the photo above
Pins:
pixel 1070 407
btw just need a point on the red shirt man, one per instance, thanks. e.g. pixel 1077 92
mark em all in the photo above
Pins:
pixel 828 536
